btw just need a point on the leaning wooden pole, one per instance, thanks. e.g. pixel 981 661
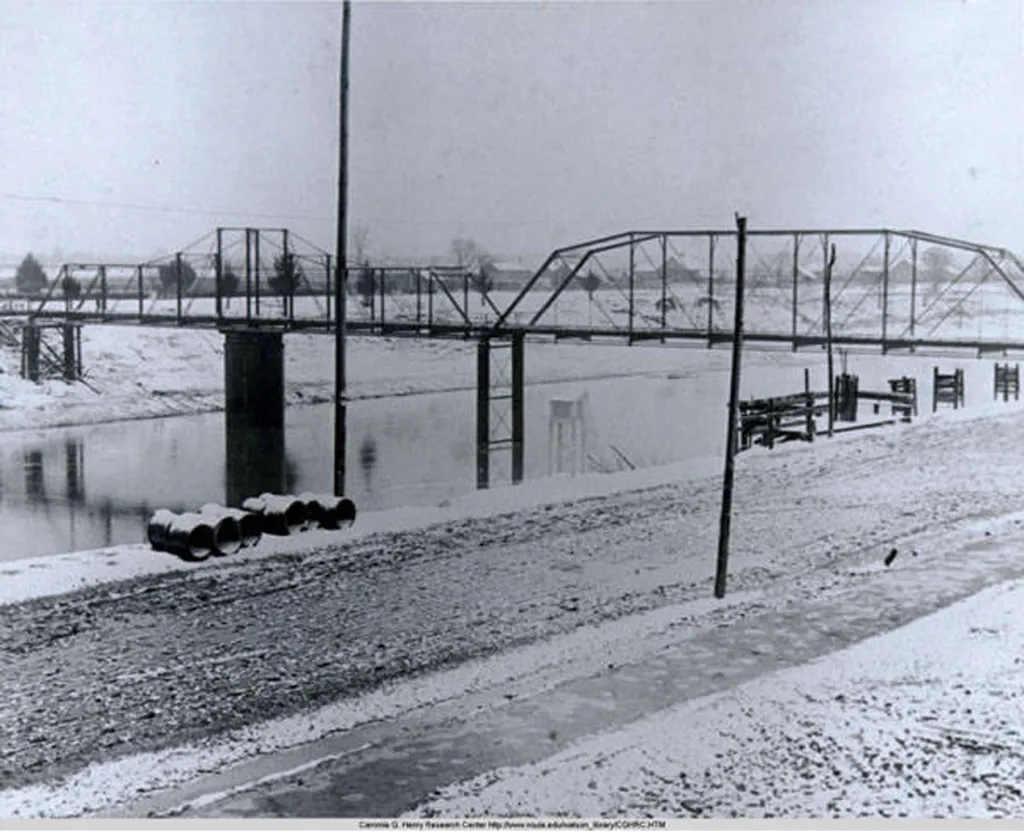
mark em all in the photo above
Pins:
pixel 340 265
pixel 722 567
pixel 828 340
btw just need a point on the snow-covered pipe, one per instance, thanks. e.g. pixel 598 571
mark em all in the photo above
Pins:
pixel 331 512
pixel 280 514
pixel 250 525
pixel 189 536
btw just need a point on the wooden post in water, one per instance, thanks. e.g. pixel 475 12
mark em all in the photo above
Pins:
pixel 722 566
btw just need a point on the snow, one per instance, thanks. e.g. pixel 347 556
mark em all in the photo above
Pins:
pixel 531 668
pixel 922 721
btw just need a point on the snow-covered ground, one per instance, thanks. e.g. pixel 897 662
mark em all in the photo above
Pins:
pixel 924 721
pixel 903 723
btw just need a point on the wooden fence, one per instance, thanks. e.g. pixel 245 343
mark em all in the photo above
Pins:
pixel 948 388
pixel 1007 381
pixel 782 419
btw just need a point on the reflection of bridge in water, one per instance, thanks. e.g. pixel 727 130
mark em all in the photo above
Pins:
pixel 54 485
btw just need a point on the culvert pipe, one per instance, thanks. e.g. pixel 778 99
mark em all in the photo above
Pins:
pixel 250 525
pixel 156 528
pixel 280 514
pixel 332 512
pixel 189 536
pixel 314 511
pixel 227 535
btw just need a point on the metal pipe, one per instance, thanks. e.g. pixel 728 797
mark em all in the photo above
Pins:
pixel 280 515
pixel 330 511
pixel 250 526
pixel 190 536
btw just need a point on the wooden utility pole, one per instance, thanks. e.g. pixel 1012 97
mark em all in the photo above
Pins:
pixel 828 339
pixel 341 264
pixel 722 567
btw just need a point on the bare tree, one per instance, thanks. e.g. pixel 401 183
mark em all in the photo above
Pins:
pixel 469 254
pixel 359 242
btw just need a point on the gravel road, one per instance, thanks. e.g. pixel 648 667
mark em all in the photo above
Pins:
pixel 159 661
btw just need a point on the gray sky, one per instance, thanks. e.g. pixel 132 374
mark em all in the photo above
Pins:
pixel 524 126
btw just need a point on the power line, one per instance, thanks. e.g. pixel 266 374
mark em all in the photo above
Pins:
pixel 159 208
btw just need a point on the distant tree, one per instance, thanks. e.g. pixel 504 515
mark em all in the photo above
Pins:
pixel 167 276
pixel 71 287
pixel 30 279
pixel 366 285
pixel 286 279
pixel 591 283
pixel 469 254
pixel 481 279
pixel 359 240
pixel 229 281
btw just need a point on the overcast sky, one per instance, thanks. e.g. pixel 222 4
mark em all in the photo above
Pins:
pixel 524 126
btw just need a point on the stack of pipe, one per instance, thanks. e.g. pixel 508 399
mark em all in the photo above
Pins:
pixel 217 530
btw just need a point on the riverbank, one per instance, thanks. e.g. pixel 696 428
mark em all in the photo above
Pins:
pixel 145 372
pixel 198 660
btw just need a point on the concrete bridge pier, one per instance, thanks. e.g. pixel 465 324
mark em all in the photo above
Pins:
pixel 254 413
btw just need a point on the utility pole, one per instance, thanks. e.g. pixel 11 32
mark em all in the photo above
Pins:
pixel 341 264
pixel 828 339
pixel 722 567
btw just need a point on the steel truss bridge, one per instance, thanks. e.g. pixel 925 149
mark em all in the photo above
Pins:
pixel 891 289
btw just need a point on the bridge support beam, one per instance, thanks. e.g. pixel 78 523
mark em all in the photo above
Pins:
pixel 500 394
pixel 72 352
pixel 31 337
pixel 254 412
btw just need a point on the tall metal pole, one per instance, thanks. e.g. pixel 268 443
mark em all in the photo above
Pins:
pixel 341 266
pixel 722 567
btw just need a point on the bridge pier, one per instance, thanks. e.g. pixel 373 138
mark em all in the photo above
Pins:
pixel 30 340
pixel 500 394
pixel 254 412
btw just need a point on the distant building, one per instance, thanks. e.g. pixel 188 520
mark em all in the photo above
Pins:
pixel 507 276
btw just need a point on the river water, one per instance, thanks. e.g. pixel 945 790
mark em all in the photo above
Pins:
pixel 87 487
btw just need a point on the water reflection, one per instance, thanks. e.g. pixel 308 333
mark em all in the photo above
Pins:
pixel 49 505
pixel 368 460
pixel 255 461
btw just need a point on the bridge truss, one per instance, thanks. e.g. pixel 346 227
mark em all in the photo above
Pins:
pixel 892 289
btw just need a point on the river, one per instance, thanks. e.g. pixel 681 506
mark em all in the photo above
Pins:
pixel 87 487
